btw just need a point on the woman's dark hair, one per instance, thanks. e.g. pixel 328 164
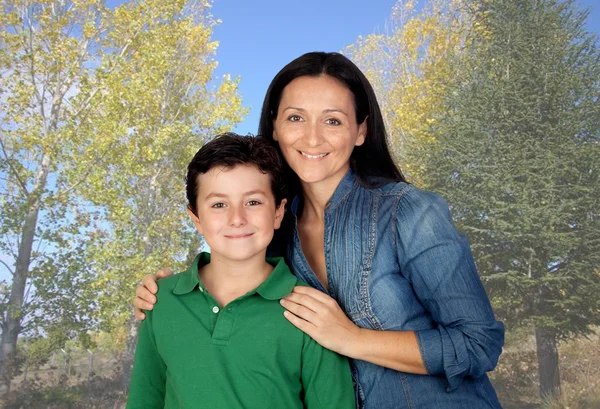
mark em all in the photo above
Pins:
pixel 371 162
pixel 229 150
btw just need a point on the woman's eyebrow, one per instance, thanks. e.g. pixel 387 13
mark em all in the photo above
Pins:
pixel 326 111
pixel 341 111
pixel 294 108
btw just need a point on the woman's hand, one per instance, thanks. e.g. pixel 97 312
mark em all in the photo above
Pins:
pixel 320 316
pixel 144 293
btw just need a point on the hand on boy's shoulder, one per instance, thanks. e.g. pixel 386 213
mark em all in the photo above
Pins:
pixel 168 283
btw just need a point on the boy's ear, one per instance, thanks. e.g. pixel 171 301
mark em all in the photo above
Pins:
pixel 279 213
pixel 195 220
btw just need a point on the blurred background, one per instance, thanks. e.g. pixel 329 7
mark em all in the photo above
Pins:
pixel 491 103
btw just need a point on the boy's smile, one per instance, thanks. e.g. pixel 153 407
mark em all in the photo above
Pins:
pixel 236 210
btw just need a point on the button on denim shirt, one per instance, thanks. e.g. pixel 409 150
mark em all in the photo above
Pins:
pixel 396 262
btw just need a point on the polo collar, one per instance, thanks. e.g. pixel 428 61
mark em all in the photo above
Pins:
pixel 188 280
pixel 279 283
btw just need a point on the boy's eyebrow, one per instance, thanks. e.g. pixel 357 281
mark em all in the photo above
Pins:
pixel 215 195
pixel 251 192
pixel 255 191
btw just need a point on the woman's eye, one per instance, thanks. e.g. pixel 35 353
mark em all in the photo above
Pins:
pixel 253 203
pixel 294 118
pixel 333 121
pixel 218 205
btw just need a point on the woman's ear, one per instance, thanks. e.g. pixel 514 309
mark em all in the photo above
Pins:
pixel 362 133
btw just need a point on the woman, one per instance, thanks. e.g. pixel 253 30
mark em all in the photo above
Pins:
pixel 395 287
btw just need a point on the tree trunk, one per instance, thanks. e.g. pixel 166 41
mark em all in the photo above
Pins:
pixel 14 314
pixel 127 359
pixel 548 366
pixel 133 326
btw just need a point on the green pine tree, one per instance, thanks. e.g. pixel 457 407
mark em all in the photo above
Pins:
pixel 518 159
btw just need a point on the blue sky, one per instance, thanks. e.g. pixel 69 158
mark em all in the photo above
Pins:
pixel 258 37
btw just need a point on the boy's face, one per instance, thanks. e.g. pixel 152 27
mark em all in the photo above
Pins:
pixel 236 212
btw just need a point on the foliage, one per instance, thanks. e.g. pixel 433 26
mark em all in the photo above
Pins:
pixel 101 108
pixel 161 107
pixel 412 67
pixel 517 156
pixel 96 393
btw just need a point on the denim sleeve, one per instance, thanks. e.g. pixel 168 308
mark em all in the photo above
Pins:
pixel 437 260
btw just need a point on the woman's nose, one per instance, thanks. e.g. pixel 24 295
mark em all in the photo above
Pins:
pixel 314 136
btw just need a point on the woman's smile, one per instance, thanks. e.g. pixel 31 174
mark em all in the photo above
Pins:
pixel 313 155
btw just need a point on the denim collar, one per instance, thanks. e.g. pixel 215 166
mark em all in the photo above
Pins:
pixel 342 191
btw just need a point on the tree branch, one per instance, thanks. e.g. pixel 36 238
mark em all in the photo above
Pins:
pixel 12 272
pixel 21 183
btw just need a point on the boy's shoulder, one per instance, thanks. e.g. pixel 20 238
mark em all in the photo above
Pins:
pixel 171 281
pixel 168 284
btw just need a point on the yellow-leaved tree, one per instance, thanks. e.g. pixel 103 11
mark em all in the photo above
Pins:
pixel 412 65
pixel 101 109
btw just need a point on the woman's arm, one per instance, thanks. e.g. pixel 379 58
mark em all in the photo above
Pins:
pixel 437 261
pixel 320 316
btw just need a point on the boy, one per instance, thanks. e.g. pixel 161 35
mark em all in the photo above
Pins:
pixel 217 337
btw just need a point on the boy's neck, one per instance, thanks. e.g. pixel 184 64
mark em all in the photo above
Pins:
pixel 227 279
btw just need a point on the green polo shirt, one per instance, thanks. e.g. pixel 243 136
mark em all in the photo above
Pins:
pixel 191 353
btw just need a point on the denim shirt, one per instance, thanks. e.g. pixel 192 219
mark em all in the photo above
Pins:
pixel 396 262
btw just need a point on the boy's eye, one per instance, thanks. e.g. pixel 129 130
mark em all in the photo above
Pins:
pixel 294 118
pixel 332 121
pixel 253 203
pixel 218 205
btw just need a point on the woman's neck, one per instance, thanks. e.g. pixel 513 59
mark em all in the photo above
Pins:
pixel 316 196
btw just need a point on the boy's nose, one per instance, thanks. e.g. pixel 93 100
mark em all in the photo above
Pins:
pixel 238 217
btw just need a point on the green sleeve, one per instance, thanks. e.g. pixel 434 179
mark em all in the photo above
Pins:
pixel 326 378
pixel 148 379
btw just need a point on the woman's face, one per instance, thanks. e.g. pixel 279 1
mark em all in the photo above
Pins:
pixel 316 128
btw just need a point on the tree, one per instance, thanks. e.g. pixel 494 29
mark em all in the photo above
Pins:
pixel 78 86
pixel 163 106
pixel 42 64
pixel 517 157
pixel 412 66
